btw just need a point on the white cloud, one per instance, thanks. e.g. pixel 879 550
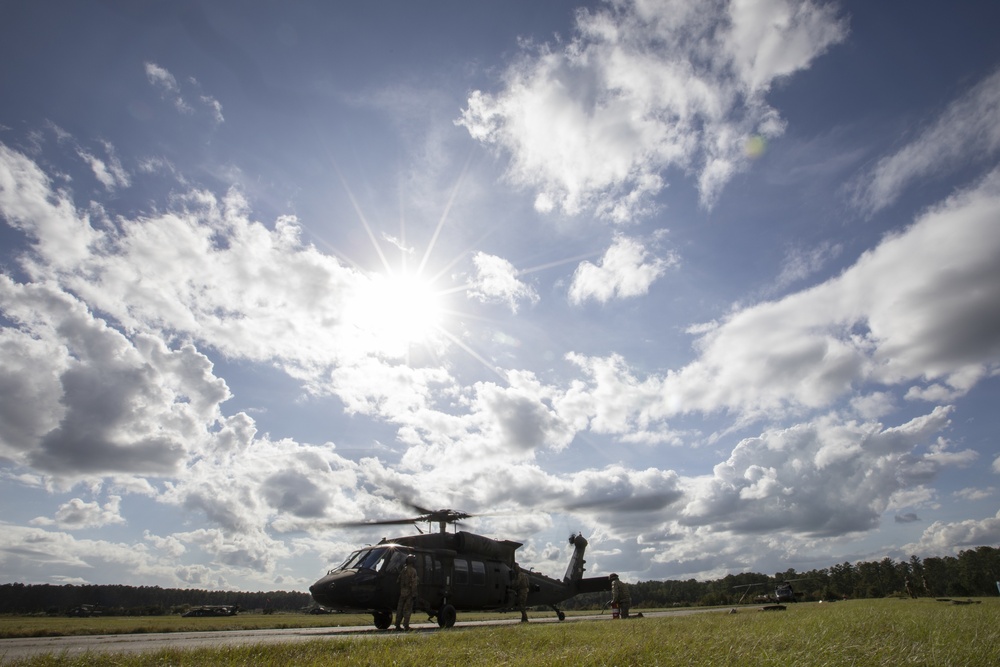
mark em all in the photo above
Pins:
pixel 77 514
pixel 160 78
pixel 205 270
pixel 917 307
pixel 827 477
pixel 769 39
pixel 31 205
pixel 800 263
pixel 167 83
pixel 972 494
pixel 626 270
pixel 967 130
pixel 125 406
pixel 109 172
pixel 496 281
pixel 594 123
pixel 943 537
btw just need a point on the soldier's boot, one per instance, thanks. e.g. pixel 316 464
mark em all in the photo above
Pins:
pixel 524 617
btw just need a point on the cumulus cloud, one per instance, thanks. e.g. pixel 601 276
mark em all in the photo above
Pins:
pixel 77 514
pixel 593 124
pixel 203 269
pixel 121 406
pixel 824 478
pixel 966 130
pixel 918 307
pixel 37 551
pixel 945 537
pixel 496 281
pixel 626 270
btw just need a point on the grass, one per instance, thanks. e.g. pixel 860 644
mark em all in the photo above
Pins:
pixel 862 633
pixel 57 626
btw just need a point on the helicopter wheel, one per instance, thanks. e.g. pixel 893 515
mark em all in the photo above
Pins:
pixel 446 617
pixel 561 615
pixel 383 619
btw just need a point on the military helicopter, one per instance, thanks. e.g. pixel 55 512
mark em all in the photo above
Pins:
pixel 458 571
pixel 783 592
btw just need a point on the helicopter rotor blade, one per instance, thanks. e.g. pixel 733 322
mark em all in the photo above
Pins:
pixel 384 522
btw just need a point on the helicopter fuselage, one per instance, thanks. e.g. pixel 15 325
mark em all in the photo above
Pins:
pixel 457 572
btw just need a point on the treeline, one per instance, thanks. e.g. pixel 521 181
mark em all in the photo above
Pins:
pixel 120 600
pixel 973 573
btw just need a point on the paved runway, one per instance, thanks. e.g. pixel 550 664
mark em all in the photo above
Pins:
pixel 18 649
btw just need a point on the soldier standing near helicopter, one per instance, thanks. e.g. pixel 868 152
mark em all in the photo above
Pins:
pixel 521 588
pixel 408 583
pixel 620 595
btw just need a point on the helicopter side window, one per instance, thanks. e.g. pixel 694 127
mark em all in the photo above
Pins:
pixel 433 570
pixel 478 573
pixel 461 572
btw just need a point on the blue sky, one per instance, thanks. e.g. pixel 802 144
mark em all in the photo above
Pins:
pixel 714 283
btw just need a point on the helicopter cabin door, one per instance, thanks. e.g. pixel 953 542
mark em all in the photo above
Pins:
pixel 479 584
pixel 433 580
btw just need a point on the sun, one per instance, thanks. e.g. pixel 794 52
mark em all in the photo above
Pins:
pixel 395 310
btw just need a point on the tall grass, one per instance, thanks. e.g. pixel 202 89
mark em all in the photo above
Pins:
pixel 861 633
pixel 56 626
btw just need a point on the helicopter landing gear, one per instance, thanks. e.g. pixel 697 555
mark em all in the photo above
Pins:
pixel 383 619
pixel 560 614
pixel 446 616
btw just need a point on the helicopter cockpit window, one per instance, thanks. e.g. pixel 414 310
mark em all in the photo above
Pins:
pixel 366 559
pixel 370 559
pixel 348 564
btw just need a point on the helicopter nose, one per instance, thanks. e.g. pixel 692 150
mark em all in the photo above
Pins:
pixel 324 590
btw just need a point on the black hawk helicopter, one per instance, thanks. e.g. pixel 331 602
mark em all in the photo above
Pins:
pixel 458 571
pixel 783 592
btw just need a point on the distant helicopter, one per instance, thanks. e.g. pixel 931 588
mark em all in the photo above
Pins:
pixel 783 592
pixel 458 571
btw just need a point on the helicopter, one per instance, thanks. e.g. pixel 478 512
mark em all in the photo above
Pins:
pixel 458 571
pixel 783 592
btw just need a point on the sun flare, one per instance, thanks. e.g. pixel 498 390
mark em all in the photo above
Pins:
pixel 396 310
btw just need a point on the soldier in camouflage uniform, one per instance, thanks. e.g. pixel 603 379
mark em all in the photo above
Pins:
pixel 620 594
pixel 521 588
pixel 408 583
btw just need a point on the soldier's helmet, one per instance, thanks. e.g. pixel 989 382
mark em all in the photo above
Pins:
pixel 411 559
pixel 612 576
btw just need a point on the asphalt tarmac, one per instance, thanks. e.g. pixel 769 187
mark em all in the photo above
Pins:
pixel 20 649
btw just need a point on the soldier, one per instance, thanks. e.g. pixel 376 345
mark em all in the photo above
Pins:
pixel 521 587
pixel 620 594
pixel 408 582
